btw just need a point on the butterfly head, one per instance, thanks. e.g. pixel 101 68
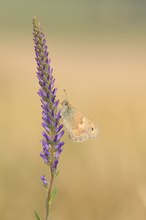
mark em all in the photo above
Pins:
pixel 66 107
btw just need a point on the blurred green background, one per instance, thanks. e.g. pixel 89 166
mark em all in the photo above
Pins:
pixel 98 53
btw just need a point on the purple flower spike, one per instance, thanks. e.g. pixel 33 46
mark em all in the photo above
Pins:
pixel 51 143
pixel 44 157
pixel 58 136
pixel 59 145
pixel 44 180
pixel 59 128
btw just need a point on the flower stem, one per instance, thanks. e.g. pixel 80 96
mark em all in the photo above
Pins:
pixel 48 197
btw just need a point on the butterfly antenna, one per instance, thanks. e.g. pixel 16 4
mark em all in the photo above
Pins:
pixel 65 94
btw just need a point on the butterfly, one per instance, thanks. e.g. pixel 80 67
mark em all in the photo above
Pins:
pixel 79 127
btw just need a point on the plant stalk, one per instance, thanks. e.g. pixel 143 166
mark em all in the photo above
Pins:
pixel 48 197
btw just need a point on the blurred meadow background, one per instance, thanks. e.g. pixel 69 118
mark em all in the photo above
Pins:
pixel 98 52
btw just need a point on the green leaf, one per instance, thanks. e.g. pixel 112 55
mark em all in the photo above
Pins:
pixel 53 194
pixel 36 215
pixel 57 173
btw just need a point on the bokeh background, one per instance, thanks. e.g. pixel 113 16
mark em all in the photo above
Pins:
pixel 98 53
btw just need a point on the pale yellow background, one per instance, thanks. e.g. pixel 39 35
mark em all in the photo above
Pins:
pixel 98 53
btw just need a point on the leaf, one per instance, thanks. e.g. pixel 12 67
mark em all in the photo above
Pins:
pixel 57 173
pixel 53 194
pixel 36 215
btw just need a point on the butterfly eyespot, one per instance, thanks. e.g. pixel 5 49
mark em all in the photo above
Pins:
pixel 91 129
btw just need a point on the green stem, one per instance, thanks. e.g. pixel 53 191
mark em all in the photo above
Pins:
pixel 48 197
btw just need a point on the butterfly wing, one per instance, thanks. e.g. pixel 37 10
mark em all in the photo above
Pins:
pixel 79 127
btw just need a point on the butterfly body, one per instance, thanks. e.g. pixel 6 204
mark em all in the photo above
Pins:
pixel 79 127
